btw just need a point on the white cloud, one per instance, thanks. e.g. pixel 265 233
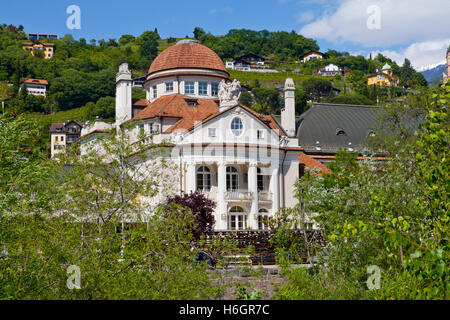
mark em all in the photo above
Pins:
pixel 306 16
pixel 402 22
pixel 421 54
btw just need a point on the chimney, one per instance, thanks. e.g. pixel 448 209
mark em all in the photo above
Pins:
pixel 288 112
pixel 124 87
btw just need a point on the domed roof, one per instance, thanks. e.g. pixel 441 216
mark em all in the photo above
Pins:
pixel 187 54
pixel 386 67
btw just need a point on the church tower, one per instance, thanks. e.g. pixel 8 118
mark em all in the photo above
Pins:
pixel 288 112
pixel 124 85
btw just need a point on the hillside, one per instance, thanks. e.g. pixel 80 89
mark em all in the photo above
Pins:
pixel 81 74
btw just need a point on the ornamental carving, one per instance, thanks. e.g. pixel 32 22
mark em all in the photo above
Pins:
pixel 229 93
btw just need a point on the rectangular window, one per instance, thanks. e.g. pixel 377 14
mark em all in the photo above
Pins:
pixel 211 132
pixel 233 222
pixel 214 89
pixel 155 92
pixel 150 128
pixel 189 87
pixel 169 86
pixel 203 88
pixel 260 134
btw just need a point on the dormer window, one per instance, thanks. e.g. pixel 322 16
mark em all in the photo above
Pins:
pixel 192 102
pixel 340 132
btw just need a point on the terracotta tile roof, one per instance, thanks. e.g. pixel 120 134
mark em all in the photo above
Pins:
pixel 176 106
pixel 266 119
pixel 140 103
pixel 311 164
pixel 187 55
pixel 36 81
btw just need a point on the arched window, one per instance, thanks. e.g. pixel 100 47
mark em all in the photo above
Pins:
pixel 232 179
pixel 203 179
pixel 237 219
pixel 263 215
pixel 260 180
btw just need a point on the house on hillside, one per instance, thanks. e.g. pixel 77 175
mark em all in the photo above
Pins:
pixel 47 49
pixel 330 70
pixel 311 55
pixel 249 62
pixel 62 136
pixel 385 77
pixel 36 87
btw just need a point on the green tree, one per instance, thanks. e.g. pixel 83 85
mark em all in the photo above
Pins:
pixel 90 212
pixel 268 100
pixel 407 74
pixel 317 88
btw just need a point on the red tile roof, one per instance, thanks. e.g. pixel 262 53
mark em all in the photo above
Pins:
pixel 176 106
pixel 266 119
pixel 36 81
pixel 187 55
pixel 311 164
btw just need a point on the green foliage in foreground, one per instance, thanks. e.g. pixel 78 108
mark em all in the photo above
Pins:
pixel 392 214
pixel 57 214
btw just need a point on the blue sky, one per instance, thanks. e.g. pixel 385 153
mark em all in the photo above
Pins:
pixel 406 28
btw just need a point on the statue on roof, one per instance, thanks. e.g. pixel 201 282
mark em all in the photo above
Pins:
pixel 229 93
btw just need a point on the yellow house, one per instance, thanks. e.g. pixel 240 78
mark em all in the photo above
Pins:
pixel 46 48
pixel 383 78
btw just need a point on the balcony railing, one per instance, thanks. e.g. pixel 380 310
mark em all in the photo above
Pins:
pixel 238 195
pixel 264 196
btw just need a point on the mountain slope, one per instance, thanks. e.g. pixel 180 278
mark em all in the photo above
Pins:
pixel 433 75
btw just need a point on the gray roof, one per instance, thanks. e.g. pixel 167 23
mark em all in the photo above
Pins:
pixel 328 128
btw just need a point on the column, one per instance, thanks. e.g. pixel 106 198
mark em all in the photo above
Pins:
pixel 190 177
pixel 275 189
pixel 253 189
pixel 221 189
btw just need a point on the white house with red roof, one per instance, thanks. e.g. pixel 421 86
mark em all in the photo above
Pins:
pixel 36 87
pixel 245 161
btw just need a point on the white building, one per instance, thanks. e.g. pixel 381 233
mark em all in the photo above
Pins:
pixel 330 70
pixel 244 161
pixel 36 87
pixel 311 55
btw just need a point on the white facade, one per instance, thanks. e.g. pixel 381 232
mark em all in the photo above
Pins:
pixel 242 160
pixel 35 89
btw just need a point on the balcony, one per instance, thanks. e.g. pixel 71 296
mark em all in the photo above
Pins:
pixel 242 195
pixel 264 196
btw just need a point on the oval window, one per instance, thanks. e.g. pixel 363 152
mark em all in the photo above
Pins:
pixel 237 127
